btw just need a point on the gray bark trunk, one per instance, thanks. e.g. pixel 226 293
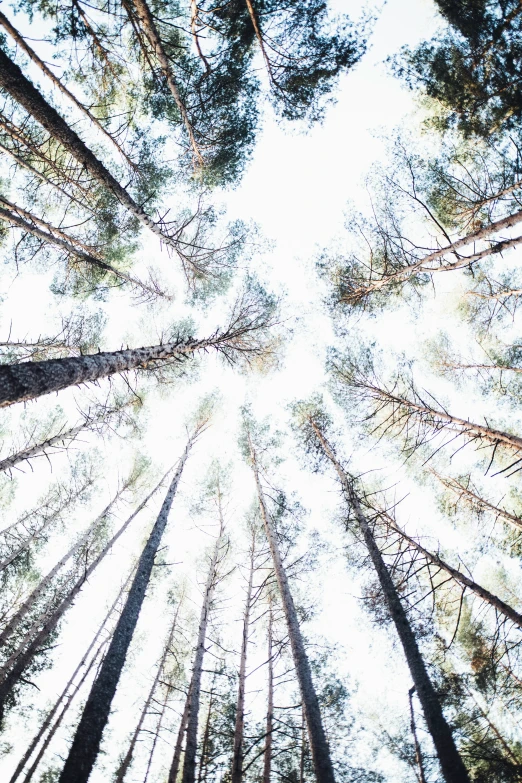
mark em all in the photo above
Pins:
pixel 451 763
pixel 26 654
pixel 418 752
pixel 237 756
pixel 86 742
pixel 476 500
pixel 318 743
pixel 176 758
pixel 267 756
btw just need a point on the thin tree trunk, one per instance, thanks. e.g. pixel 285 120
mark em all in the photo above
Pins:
pixel 303 747
pixel 26 381
pixel 157 732
pixel 54 236
pixel 203 761
pixel 24 92
pixel 25 655
pixel 237 755
pixel 149 27
pixel 451 763
pixel 86 742
pixel 40 448
pixel 260 40
pixel 267 756
pixel 318 742
pixel 418 752
pixel 191 747
pixel 125 764
pixel 44 583
pixel 459 577
pixel 176 758
pixel 456 487
pixel 22 43
pixel 48 720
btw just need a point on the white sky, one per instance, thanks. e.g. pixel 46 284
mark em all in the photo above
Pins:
pixel 296 188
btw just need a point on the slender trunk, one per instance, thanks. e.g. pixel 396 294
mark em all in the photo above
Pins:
pixel 54 236
pixel 459 577
pixel 149 27
pixel 26 381
pixel 203 761
pixel 267 756
pixel 451 763
pixel 189 763
pixel 26 654
pixel 498 296
pixel 22 43
pixel 413 727
pixel 48 720
pixel 422 265
pixel 471 497
pixel 303 747
pixel 157 732
pixel 125 764
pixel 24 92
pixel 86 742
pixel 318 742
pixel 237 756
pixel 501 367
pixel 176 758
pixel 260 40
pixel 40 589
pixel 41 448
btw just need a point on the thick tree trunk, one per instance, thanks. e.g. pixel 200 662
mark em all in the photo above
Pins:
pixel 25 654
pixel 471 497
pixel 127 760
pixel 267 755
pixel 149 27
pixel 24 92
pixel 176 758
pixel 318 744
pixel 86 742
pixel 42 586
pixel 451 763
pixel 49 718
pixel 237 755
pixel 459 577
pixel 189 763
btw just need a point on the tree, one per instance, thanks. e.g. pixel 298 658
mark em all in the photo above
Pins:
pixel 86 743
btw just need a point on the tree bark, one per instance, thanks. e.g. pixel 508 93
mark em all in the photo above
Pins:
pixel 24 92
pixel 125 764
pixel 203 760
pixel 267 756
pixel 176 758
pixel 318 743
pixel 25 655
pixel 86 742
pixel 48 720
pixel 413 727
pixel 237 755
pixel 189 763
pixel 450 761
pixel 475 499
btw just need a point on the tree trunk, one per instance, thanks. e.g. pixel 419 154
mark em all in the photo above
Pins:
pixel 54 236
pixel 86 742
pixel 25 655
pixel 318 743
pixel 189 763
pixel 203 761
pixel 48 720
pixel 237 756
pixel 24 92
pixel 413 727
pixel 459 577
pixel 451 763
pixel 125 764
pixel 174 767
pixel 149 27
pixel 476 500
pixel 267 756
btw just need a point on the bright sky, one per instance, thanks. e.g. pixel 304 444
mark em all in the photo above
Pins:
pixel 296 189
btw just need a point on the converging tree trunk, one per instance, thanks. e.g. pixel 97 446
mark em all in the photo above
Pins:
pixel 86 742
pixel 267 755
pixel 451 763
pixel 319 746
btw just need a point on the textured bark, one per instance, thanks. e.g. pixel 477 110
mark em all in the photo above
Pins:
pixel 459 577
pixel 203 760
pixel 481 503
pixel 44 583
pixel 22 43
pixel 418 752
pixel 318 743
pixel 189 763
pixel 451 763
pixel 423 265
pixel 237 755
pixel 149 27
pixel 49 718
pixel 24 92
pixel 41 448
pixel 267 755
pixel 58 238
pixel 176 758
pixel 26 654
pixel 86 742
pixel 127 760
